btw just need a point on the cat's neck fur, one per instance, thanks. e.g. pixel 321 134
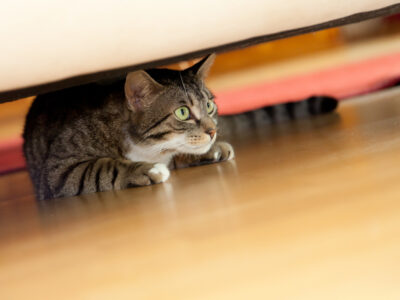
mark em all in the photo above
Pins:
pixel 138 153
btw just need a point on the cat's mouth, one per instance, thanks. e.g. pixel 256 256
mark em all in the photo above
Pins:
pixel 197 147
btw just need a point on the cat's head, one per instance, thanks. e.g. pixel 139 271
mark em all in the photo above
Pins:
pixel 172 110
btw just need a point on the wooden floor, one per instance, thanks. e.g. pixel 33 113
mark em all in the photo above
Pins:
pixel 308 210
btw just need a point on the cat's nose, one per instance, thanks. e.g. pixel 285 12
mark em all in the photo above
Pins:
pixel 211 132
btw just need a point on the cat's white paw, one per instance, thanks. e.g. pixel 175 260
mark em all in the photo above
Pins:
pixel 161 171
pixel 231 154
pixel 217 155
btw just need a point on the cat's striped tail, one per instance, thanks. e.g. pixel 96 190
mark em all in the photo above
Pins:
pixel 315 105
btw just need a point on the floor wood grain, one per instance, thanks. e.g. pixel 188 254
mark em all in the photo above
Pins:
pixel 308 210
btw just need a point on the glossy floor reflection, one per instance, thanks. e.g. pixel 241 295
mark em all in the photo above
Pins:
pixel 309 209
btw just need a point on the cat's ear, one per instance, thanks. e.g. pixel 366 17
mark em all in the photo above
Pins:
pixel 139 89
pixel 202 68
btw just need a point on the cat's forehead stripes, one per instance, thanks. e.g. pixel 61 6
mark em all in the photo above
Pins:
pixel 198 94
pixel 196 112
pixel 193 98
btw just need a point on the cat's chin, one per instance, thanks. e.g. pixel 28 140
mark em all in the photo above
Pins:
pixel 187 149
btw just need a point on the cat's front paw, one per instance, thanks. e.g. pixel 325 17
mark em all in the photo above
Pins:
pixel 158 173
pixel 149 173
pixel 221 151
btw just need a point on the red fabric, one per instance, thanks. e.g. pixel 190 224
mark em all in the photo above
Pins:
pixel 11 156
pixel 340 82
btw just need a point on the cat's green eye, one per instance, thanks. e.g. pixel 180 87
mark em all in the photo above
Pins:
pixel 210 107
pixel 182 113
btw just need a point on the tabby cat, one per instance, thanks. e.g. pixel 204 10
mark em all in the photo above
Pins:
pixel 102 137
pixel 128 133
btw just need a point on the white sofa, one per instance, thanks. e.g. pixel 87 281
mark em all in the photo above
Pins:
pixel 48 45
